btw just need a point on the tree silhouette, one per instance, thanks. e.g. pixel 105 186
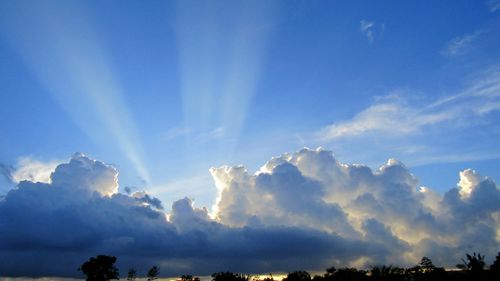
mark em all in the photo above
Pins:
pixel 100 268
pixel 229 276
pixel 344 274
pixel 473 263
pixel 298 276
pixel 153 273
pixel 330 272
pixel 383 273
pixel 495 266
pixel 131 275
pixel 426 265
pixel 425 270
pixel 189 278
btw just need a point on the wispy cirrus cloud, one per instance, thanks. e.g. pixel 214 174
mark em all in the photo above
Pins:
pixel 493 5
pixel 399 116
pixel 460 44
pixel 392 118
pixel 366 28
pixel 370 29
pixel 422 130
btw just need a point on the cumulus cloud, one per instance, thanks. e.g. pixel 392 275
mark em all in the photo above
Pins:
pixel 28 169
pixel 146 199
pixel 301 210
pixel 50 228
pixel 311 189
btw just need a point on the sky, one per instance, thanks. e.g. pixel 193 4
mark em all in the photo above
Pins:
pixel 188 116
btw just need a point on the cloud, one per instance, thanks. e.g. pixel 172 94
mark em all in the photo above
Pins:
pixel 371 30
pixel 83 173
pixel 49 229
pixel 146 199
pixel 406 123
pixel 459 45
pixel 387 207
pixel 26 169
pixel 366 28
pixel 33 170
pixel 493 5
pixel 392 117
pixel 301 210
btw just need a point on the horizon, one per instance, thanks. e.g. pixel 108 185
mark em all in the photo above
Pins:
pixel 174 132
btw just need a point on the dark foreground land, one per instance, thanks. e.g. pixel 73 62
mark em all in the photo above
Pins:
pixel 472 268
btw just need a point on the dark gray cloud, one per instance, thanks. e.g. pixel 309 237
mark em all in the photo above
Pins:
pixel 300 211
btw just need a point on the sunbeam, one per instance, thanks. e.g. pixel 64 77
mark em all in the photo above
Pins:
pixel 75 68
pixel 221 48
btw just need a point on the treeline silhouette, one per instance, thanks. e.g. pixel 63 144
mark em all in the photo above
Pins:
pixel 472 267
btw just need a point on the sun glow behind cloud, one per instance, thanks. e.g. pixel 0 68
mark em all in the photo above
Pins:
pixel 76 69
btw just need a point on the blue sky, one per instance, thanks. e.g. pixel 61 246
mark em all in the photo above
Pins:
pixel 166 90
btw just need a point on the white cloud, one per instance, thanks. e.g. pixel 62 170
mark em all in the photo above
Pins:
pixel 33 170
pixel 301 210
pixel 469 180
pixel 459 45
pixel 83 173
